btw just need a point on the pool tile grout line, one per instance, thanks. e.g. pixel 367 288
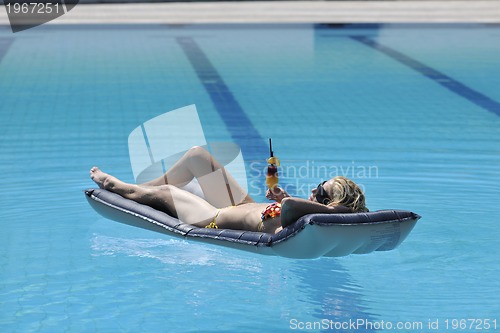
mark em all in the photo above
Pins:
pixel 444 80
pixel 237 122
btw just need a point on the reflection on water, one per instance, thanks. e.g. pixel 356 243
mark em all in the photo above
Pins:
pixel 336 297
pixel 169 251
pixel 296 292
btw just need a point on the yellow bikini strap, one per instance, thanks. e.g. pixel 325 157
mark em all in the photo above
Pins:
pixel 213 224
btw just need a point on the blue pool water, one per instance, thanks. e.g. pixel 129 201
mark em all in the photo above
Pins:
pixel 411 113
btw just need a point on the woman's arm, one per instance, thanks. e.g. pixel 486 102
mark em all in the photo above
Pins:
pixel 294 208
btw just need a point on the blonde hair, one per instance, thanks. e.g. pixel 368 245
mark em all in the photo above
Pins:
pixel 345 192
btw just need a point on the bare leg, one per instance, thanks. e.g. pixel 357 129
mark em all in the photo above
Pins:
pixel 214 180
pixel 167 198
pixel 196 162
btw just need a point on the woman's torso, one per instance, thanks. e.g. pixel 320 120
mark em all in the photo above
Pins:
pixel 246 217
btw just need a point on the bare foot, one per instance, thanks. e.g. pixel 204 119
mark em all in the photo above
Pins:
pixel 98 176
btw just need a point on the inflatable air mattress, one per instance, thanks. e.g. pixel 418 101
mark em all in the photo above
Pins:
pixel 312 236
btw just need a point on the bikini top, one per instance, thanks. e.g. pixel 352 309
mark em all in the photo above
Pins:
pixel 273 210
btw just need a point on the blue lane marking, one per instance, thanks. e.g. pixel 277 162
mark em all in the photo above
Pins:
pixel 5 43
pixel 239 126
pixel 146 139
pixel 253 146
pixel 449 83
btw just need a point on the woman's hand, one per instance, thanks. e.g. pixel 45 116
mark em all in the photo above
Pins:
pixel 277 194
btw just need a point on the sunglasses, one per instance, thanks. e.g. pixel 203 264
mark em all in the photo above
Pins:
pixel 321 195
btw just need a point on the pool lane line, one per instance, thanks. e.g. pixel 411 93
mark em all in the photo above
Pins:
pixel 5 44
pixel 444 80
pixel 237 122
pixel 253 146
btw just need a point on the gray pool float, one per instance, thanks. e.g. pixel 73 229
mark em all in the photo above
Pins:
pixel 311 236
